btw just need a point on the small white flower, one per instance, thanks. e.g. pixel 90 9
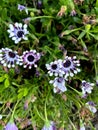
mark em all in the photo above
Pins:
pixel 86 87
pixel 91 106
pixel 18 32
pixel 59 85
pixel 30 58
pixel 54 68
pixel 70 66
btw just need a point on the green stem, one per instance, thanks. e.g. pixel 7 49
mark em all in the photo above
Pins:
pixel 34 18
pixel 39 114
pixel 72 124
pixel 46 112
pixel 75 90
pixel 12 116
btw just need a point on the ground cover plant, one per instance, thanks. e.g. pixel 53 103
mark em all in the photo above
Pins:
pixel 48 64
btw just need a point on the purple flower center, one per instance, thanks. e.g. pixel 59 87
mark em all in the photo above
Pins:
pixel 54 66
pixel 67 64
pixel 60 79
pixel 91 103
pixel 11 54
pixel 30 58
pixel 20 33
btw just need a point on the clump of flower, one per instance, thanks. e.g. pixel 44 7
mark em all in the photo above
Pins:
pixel 18 32
pixel 91 106
pixel 9 58
pixel 11 126
pixel 30 58
pixel 62 69
pixel 49 126
pixel 86 87
pixel 22 7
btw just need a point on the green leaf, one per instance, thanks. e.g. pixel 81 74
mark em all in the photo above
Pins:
pixel 2 79
pixel 81 35
pixel 6 83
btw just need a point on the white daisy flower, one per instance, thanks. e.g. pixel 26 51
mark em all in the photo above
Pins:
pixel 18 32
pixel 30 58
pixel 9 58
pixel 70 66
pixel 54 68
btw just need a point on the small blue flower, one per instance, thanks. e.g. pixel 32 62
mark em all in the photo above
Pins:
pixel 11 126
pixel 50 126
pixel 86 87
pixel 59 84
pixel 22 7
pixel 91 106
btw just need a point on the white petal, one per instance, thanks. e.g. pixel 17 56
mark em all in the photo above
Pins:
pixel 25 66
pixel 71 74
pixel 16 24
pixel 14 38
pixel 13 65
pixel 4 64
pixel 20 25
pixel 25 38
pixel 2 61
pixel 11 27
pixel 9 66
pixel 11 34
pixel 25 26
pixel 16 41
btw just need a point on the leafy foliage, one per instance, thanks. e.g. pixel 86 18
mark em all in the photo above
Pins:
pixel 56 29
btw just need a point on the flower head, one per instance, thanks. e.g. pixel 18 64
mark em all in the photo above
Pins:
pixel 9 58
pixel 27 20
pixel 86 87
pixel 54 68
pixel 73 13
pixel 69 66
pixel 59 84
pixel 11 126
pixel 91 106
pixel 50 126
pixel 18 32
pixel 22 7
pixel 30 58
